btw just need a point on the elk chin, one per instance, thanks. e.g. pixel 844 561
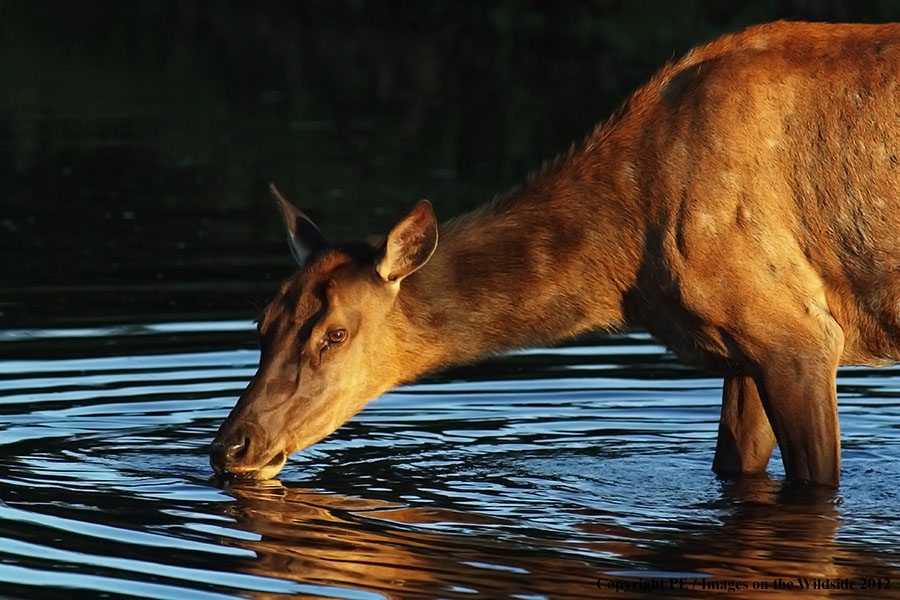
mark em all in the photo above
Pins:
pixel 271 469
pixel 267 471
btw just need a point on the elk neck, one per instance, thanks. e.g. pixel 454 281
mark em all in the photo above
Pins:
pixel 548 261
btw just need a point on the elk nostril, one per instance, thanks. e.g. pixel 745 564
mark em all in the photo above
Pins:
pixel 237 450
pixel 226 452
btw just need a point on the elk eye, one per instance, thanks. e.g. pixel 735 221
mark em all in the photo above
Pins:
pixel 336 336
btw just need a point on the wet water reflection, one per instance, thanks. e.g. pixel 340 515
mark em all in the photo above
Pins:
pixel 398 551
pixel 534 476
pixel 766 538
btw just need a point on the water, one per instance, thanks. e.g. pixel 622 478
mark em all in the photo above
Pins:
pixel 542 474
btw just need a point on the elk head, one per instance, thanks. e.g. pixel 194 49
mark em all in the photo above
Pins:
pixel 331 341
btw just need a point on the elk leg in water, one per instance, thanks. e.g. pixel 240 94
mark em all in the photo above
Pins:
pixel 795 375
pixel 745 439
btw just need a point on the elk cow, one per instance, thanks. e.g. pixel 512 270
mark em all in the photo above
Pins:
pixel 743 207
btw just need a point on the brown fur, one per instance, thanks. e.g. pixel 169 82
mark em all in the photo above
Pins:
pixel 742 206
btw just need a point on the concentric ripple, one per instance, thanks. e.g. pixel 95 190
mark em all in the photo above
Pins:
pixel 544 474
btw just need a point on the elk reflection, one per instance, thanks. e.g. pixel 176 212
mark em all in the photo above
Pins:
pixel 769 532
pixel 395 550
pixel 398 551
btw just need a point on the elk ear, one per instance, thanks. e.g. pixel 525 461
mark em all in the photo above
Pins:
pixel 410 243
pixel 304 237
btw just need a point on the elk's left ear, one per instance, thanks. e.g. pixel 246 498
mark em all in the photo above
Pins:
pixel 304 237
pixel 410 243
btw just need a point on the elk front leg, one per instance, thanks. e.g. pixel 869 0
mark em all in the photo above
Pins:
pixel 801 402
pixel 745 437
pixel 794 367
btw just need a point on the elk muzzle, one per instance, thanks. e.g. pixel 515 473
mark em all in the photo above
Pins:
pixel 243 449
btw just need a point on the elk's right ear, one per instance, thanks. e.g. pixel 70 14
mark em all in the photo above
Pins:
pixel 410 244
pixel 304 237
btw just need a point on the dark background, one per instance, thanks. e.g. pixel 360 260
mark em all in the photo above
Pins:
pixel 137 137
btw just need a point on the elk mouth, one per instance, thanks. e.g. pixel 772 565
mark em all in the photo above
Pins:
pixel 243 450
pixel 270 469
pixel 267 471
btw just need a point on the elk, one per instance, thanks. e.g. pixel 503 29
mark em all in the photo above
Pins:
pixel 742 207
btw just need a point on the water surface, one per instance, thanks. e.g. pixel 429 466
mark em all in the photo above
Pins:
pixel 542 474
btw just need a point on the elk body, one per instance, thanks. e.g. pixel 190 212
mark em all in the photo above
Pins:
pixel 743 207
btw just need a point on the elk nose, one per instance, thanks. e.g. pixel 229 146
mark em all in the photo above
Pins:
pixel 225 452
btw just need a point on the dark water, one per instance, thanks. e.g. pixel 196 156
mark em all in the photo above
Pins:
pixel 533 476
pixel 137 244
